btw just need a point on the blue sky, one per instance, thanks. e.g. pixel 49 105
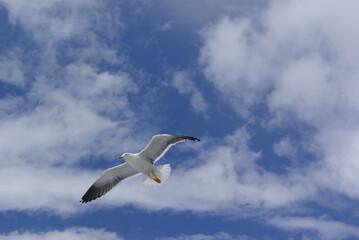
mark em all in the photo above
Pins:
pixel 270 88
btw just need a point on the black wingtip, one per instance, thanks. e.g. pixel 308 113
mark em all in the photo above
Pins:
pixel 192 138
pixel 90 195
pixel 86 201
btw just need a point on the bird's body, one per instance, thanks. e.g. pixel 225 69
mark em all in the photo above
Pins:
pixel 137 163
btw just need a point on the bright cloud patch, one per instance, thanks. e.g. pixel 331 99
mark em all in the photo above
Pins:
pixel 218 236
pixel 63 111
pixel 309 76
pixel 11 71
pixel 323 229
pixel 183 83
pixel 298 62
pixel 69 234
pixel 285 148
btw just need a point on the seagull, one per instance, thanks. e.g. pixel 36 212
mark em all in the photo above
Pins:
pixel 137 163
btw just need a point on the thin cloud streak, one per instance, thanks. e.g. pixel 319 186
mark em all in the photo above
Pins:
pixel 184 85
pixel 322 228
pixel 75 233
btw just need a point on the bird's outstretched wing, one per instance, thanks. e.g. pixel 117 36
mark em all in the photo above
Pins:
pixel 159 145
pixel 107 181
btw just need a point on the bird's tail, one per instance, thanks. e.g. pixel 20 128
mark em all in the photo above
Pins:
pixel 158 176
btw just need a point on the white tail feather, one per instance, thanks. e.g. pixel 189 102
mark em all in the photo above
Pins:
pixel 160 172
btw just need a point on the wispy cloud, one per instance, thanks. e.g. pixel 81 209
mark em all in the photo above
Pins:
pixel 70 234
pixel 292 62
pixel 165 26
pixel 322 228
pixel 184 85
pixel 11 71
pixel 299 67
pixel 285 148
pixel 217 236
pixel 69 109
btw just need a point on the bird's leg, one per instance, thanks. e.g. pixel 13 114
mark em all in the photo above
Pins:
pixel 154 177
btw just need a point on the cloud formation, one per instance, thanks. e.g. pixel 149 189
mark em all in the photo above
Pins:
pixel 184 85
pixel 296 64
pixel 70 234
pixel 294 73
pixel 65 109
pixel 219 236
pixel 285 148
pixel 322 228
pixel 11 71
pixel 299 64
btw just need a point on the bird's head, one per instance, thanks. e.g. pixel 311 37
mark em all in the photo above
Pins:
pixel 123 156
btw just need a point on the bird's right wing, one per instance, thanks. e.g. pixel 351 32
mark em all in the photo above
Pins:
pixel 160 144
pixel 107 181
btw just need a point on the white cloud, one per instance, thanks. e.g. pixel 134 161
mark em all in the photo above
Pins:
pixel 297 59
pixel 285 148
pixel 316 84
pixel 184 85
pixel 165 26
pixel 217 236
pixel 104 92
pixel 29 187
pixel 305 87
pixel 67 108
pixel 325 229
pixel 67 112
pixel 182 82
pixel 11 71
pixel 89 117
pixel 50 24
pixel 244 63
pixel 231 62
pixel 10 105
pixel 41 18
pixel 198 103
pixel 68 234
pixel 69 119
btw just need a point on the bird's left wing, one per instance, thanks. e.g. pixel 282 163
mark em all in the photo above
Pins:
pixel 160 144
pixel 107 181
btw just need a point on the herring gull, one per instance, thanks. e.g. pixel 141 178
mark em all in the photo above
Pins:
pixel 137 163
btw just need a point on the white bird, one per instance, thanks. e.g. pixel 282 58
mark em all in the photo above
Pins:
pixel 136 163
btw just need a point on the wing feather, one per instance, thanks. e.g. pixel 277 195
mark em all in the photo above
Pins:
pixel 108 179
pixel 160 144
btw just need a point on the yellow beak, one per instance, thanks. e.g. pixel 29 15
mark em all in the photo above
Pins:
pixel 120 157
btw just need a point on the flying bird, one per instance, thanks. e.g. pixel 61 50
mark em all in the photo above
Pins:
pixel 137 163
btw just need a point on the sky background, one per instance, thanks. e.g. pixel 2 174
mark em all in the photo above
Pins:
pixel 270 88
